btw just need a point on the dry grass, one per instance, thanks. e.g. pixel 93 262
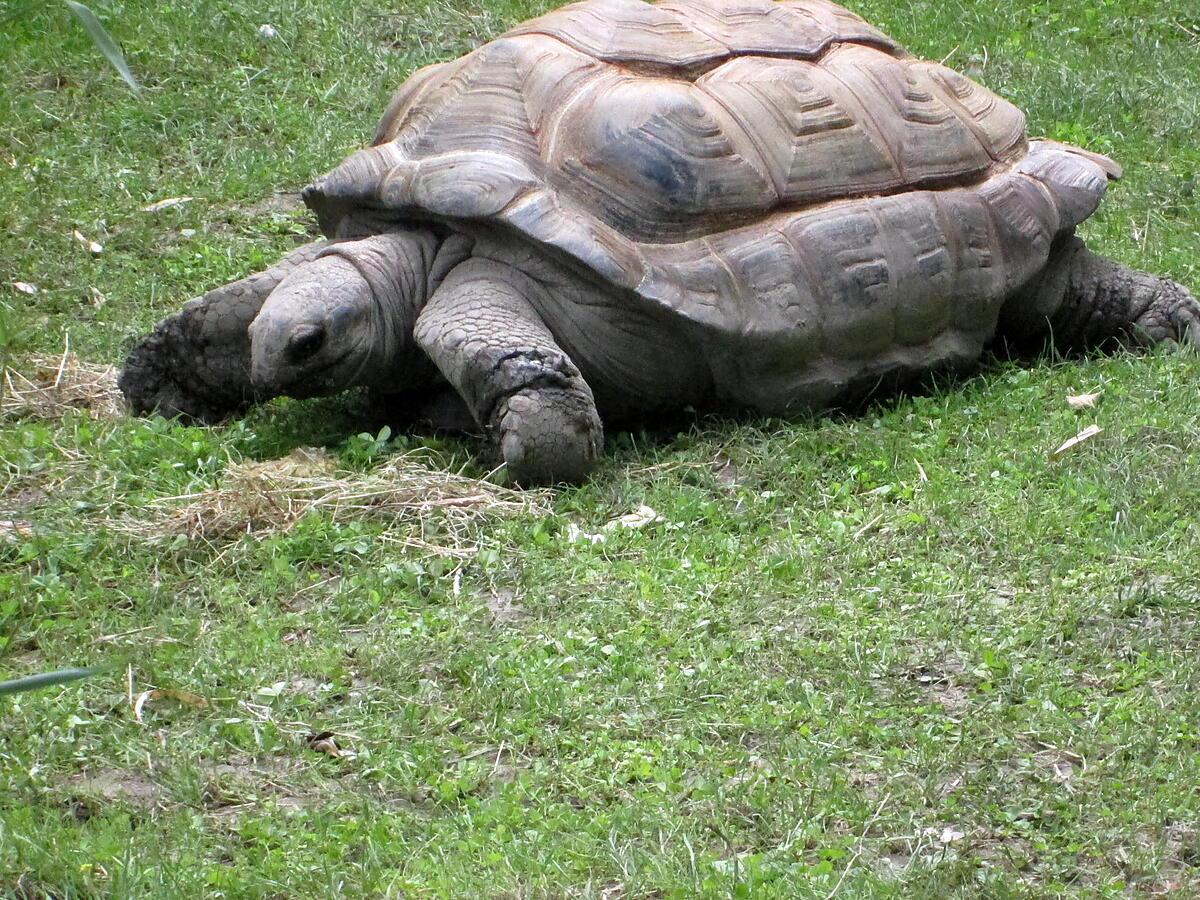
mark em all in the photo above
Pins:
pixel 51 386
pixel 424 508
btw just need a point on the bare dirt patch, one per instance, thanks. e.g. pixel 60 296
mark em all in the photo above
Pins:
pixel 1060 765
pixel 727 473
pixel 503 609
pixel 282 211
pixel 492 767
pixel 112 786
pixel 29 660
pixel 943 682
pixel 245 783
pixel 22 497
pixel 281 203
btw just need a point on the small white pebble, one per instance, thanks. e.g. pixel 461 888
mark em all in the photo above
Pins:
pixel 268 32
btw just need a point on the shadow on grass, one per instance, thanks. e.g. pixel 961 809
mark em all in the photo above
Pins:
pixel 359 432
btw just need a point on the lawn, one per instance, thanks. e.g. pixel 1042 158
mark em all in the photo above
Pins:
pixel 898 654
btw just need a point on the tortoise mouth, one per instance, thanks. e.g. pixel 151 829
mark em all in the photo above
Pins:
pixel 311 378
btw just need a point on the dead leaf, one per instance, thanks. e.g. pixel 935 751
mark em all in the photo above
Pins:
pixel 1083 401
pixel 91 246
pixel 24 287
pixel 11 529
pixel 271 691
pixel 168 203
pixel 944 836
pixel 98 299
pixel 187 698
pixel 576 535
pixel 1086 435
pixel 639 518
pixel 325 742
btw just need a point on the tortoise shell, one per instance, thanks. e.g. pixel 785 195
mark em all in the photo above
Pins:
pixel 742 163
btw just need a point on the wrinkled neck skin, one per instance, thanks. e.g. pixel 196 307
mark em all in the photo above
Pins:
pixel 346 318
pixel 396 269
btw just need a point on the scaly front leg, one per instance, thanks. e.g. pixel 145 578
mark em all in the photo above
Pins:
pixel 488 340
pixel 196 363
pixel 1084 300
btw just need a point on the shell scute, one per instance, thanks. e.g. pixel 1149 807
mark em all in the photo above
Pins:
pixel 626 32
pixel 658 161
pixel 926 139
pixel 814 141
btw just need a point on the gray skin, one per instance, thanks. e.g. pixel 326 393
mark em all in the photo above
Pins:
pixel 538 351
pixel 408 312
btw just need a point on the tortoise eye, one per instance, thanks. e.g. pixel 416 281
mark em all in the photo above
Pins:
pixel 305 342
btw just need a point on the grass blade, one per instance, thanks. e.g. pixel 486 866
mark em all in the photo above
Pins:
pixel 106 44
pixel 48 679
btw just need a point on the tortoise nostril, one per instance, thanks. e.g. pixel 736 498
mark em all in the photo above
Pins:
pixel 304 342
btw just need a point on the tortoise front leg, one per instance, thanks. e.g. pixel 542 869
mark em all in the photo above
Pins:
pixel 196 363
pixel 1085 300
pixel 488 340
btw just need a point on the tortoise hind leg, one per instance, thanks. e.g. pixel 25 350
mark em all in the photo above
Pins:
pixel 196 363
pixel 490 343
pixel 1083 300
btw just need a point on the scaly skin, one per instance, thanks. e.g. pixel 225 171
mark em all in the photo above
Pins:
pixel 196 363
pixel 494 349
pixel 1084 301
pixel 346 318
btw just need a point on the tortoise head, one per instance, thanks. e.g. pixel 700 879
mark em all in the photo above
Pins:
pixel 338 321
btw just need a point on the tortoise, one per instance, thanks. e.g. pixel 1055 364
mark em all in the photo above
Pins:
pixel 622 208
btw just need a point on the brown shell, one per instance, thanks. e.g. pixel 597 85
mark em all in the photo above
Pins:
pixel 741 162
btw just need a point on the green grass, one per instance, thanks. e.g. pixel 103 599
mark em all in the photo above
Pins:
pixel 895 655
